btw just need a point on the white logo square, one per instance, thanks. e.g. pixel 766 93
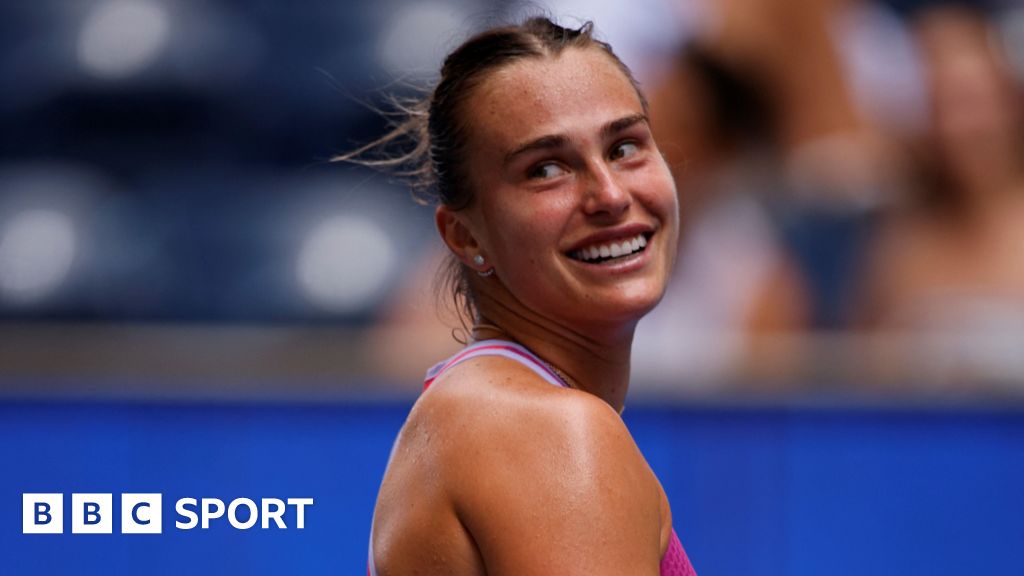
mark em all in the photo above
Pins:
pixel 42 513
pixel 92 514
pixel 141 513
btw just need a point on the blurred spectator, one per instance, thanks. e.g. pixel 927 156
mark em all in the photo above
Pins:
pixel 948 267
pixel 772 128
pixel 733 279
pixel 835 163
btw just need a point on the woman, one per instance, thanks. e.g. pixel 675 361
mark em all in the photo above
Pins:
pixel 561 215
pixel 945 271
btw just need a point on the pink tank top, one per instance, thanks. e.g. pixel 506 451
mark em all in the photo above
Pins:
pixel 674 562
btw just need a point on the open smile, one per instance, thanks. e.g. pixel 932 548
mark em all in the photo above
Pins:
pixel 599 253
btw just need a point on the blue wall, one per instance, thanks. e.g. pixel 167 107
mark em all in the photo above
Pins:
pixel 755 490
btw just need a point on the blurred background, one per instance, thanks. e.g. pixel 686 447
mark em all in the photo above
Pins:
pixel 836 372
pixel 849 172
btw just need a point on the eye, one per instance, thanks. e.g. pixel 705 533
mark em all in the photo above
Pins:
pixel 546 171
pixel 624 150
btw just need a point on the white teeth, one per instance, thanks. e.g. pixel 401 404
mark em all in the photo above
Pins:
pixel 612 249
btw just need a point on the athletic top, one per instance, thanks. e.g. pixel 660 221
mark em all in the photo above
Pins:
pixel 673 563
pixel 504 348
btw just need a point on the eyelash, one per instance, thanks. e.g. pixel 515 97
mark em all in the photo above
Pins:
pixel 535 171
pixel 620 145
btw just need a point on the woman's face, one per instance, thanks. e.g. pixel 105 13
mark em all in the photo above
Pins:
pixel 975 115
pixel 574 205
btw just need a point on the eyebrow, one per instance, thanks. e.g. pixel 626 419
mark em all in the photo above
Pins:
pixel 554 141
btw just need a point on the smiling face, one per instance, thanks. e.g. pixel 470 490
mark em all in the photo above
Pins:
pixel 574 206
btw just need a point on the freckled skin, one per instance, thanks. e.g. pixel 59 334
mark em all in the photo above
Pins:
pixel 573 95
pixel 496 471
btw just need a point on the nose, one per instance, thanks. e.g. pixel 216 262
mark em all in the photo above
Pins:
pixel 605 194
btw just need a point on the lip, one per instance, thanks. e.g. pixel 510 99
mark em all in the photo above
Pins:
pixel 618 266
pixel 623 232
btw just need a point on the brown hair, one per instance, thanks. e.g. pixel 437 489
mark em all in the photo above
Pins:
pixel 426 143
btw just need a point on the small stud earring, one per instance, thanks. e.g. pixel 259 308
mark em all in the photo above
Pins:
pixel 479 261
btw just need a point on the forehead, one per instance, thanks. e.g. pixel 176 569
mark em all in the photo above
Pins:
pixel 578 90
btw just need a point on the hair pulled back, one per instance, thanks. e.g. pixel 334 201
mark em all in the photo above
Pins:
pixel 426 145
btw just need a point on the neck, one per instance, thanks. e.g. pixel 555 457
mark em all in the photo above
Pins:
pixel 593 358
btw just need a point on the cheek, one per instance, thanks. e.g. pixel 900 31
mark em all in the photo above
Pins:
pixel 513 239
pixel 531 225
pixel 659 192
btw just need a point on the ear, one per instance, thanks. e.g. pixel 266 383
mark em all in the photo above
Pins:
pixel 455 232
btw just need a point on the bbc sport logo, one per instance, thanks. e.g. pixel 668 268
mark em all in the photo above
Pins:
pixel 93 513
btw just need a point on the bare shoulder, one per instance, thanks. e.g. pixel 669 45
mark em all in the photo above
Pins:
pixel 545 479
pixel 504 406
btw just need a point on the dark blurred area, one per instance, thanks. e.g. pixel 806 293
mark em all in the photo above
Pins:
pixel 168 161
pixel 167 202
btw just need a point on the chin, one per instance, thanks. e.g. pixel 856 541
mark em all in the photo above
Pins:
pixel 628 308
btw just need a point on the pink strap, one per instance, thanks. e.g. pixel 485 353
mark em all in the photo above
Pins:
pixel 503 348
